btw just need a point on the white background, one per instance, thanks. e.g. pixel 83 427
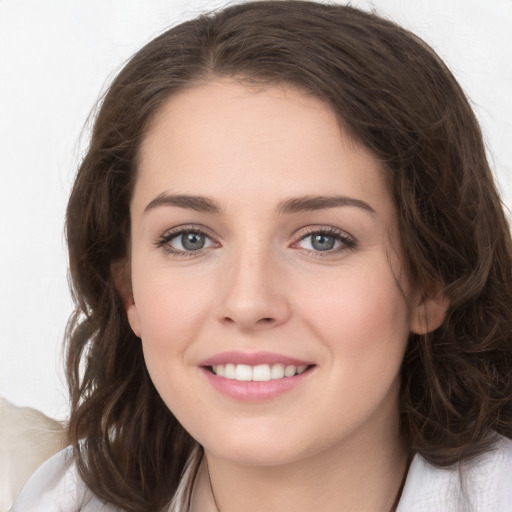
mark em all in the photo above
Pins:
pixel 55 59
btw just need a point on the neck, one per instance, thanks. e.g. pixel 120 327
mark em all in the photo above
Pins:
pixel 357 475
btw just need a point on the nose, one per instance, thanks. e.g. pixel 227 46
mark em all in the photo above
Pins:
pixel 253 294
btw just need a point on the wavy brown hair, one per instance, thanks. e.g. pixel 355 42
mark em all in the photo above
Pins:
pixel 397 99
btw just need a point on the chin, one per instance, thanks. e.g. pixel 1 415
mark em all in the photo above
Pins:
pixel 261 447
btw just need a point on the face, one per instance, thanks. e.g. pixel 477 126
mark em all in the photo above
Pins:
pixel 268 292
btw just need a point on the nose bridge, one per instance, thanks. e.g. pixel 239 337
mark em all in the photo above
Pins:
pixel 253 295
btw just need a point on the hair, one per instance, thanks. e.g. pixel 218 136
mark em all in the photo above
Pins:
pixel 397 99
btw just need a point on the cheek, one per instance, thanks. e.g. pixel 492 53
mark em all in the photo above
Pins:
pixel 168 324
pixel 363 319
pixel 363 322
pixel 171 310
pixel 170 307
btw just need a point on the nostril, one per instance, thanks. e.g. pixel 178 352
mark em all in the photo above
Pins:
pixel 262 322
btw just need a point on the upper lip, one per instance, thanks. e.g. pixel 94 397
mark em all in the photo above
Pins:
pixel 253 359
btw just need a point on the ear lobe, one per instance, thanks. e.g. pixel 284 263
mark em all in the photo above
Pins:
pixel 120 270
pixel 429 313
pixel 133 318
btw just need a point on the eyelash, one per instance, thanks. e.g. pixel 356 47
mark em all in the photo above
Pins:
pixel 164 241
pixel 347 241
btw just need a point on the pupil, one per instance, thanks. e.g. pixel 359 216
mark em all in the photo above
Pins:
pixel 323 242
pixel 192 241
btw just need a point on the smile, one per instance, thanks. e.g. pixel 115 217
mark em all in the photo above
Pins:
pixel 259 373
pixel 255 377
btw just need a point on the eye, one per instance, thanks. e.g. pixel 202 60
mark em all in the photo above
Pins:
pixel 183 241
pixel 330 240
pixel 189 241
pixel 321 242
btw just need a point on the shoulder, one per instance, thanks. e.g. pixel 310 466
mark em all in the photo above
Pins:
pixel 27 439
pixel 483 484
pixel 56 487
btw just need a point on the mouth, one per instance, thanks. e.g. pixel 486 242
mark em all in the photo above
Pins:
pixel 255 377
pixel 258 373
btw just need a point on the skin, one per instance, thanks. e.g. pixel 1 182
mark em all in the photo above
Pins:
pixel 258 284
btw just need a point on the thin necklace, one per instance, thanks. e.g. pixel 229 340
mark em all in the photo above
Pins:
pixel 211 488
pixel 393 508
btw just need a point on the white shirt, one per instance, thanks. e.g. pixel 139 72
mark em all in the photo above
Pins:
pixel 481 485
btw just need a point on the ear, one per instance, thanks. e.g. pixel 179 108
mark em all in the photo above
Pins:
pixel 429 313
pixel 122 280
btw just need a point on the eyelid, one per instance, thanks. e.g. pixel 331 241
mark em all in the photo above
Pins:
pixel 170 234
pixel 348 242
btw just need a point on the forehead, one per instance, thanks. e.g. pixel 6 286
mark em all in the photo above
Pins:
pixel 224 138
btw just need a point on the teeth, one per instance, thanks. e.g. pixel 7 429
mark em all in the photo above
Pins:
pixel 290 371
pixel 259 373
pixel 301 369
pixel 277 371
pixel 229 371
pixel 243 372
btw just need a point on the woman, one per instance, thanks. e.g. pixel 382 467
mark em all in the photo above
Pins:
pixel 293 278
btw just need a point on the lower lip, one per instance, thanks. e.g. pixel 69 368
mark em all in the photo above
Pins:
pixel 253 391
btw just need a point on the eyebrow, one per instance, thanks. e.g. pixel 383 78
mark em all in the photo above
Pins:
pixel 197 203
pixel 312 203
pixel 291 205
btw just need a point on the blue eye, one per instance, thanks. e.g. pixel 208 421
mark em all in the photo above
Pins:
pixel 326 241
pixel 322 242
pixel 192 241
pixel 186 241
